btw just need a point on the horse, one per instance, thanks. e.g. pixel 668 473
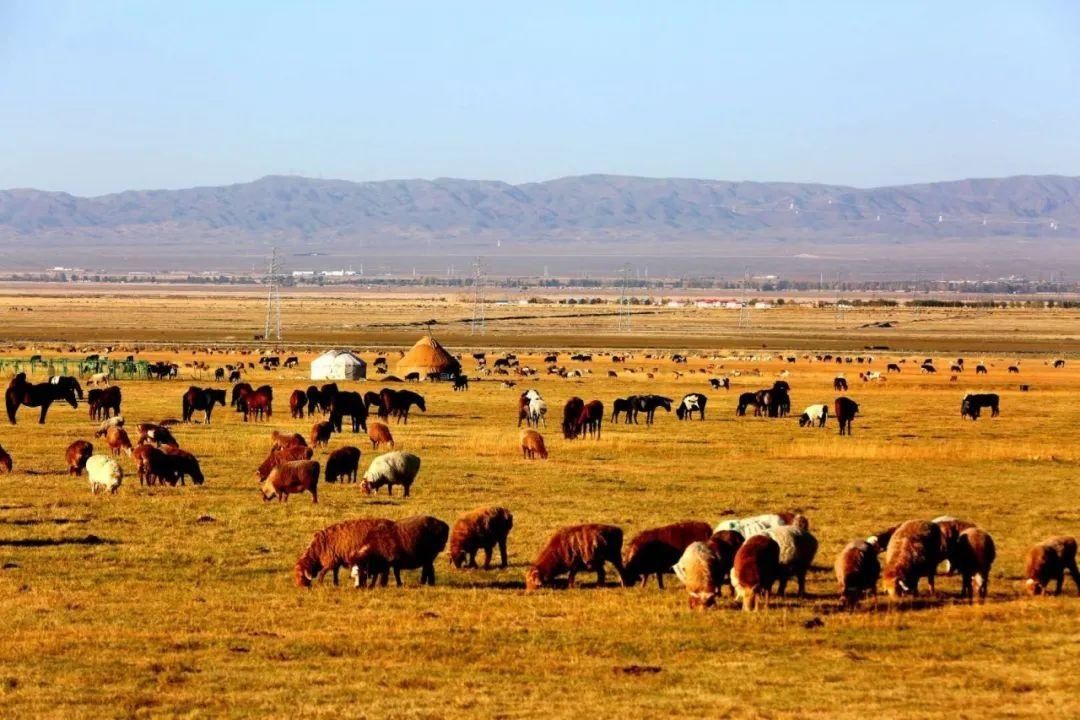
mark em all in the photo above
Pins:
pixel 1059 363
pixel 348 403
pixel 689 404
pixel 204 399
pixel 591 419
pixel 718 383
pixel 746 399
pixel 398 403
pixel 42 395
pixel 259 403
pixel 839 384
pixel 102 401
pixel 69 381
pixel 372 398
pixel 219 374
pixel 973 403
pixel 649 404
pixel 297 403
pixel 845 410
pixel 326 394
pixel 461 382
pixel 625 406
pixel 892 367
pixel 572 412
pixel 238 392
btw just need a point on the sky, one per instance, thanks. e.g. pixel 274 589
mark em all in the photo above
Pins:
pixel 103 96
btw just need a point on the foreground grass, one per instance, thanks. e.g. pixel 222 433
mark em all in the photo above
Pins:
pixel 179 602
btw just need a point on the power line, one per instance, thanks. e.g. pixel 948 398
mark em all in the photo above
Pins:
pixel 744 305
pixel 273 298
pixel 477 327
pixel 624 319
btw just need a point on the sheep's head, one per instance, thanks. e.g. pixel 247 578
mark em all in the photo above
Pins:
pixel 367 486
pixel 1033 586
pixel 269 492
pixel 302 575
pixel 533 581
pixel 458 556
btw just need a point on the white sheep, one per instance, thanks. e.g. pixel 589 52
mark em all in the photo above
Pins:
pixel 797 550
pixel 814 413
pixel 698 569
pixel 756 525
pixel 390 469
pixel 104 473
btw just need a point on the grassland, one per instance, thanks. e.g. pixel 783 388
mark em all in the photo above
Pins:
pixel 179 601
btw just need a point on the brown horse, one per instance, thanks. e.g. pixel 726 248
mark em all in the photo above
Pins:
pixel 197 398
pixel 572 412
pixel 297 402
pixel 397 403
pixel 258 404
pixel 42 395
pixel 104 402
pixel 592 418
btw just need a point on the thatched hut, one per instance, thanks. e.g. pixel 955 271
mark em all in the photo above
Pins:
pixel 428 358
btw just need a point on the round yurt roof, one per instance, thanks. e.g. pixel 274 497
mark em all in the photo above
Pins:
pixel 427 356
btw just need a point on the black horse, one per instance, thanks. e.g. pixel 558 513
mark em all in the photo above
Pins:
pixel 746 399
pixel 845 410
pixel 398 402
pixel 691 403
pixel 42 395
pixel 346 402
pixel 625 406
pixel 204 399
pixel 973 403
pixel 649 404
pixel 68 381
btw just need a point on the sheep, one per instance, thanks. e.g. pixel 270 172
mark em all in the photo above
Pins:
pixel 114 421
pixel 393 468
pixel 343 463
pixel 857 570
pixel 573 549
pixel 77 454
pixel 290 478
pixel 5 460
pixel 698 569
pixel 282 455
pixel 407 544
pixel 104 474
pixel 321 432
pixel 725 543
pixel 101 378
pixel 332 548
pixel 748 527
pixel 1048 562
pixel 380 434
pixel 797 550
pixel 814 414
pixel 756 567
pixel 973 557
pixel 655 551
pixel 480 529
pixel 532 445
pixel 914 551
pixel 950 532
pixel 118 441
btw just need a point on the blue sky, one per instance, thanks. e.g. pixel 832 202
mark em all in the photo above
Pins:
pixel 102 96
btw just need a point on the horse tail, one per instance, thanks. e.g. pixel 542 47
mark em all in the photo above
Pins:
pixel 12 405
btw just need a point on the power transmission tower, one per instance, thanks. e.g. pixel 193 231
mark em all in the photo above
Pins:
pixel 273 299
pixel 840 307
pixel 477 327
pixel 625 321
pixel 744 305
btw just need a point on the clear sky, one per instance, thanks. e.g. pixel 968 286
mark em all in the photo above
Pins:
pixel 99 96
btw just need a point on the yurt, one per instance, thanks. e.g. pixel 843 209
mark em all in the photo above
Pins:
pixel 338 365
pixel 427 356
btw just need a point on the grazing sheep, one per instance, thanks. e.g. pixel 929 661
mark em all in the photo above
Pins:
pixel 797 550
pixel 655 551
pixel 532 445
pixel 1048 562
pixel 332 548
pixel 78 453
pixel 321 432
pixel 573 549
pixel 698 568
pixel 857 570
pixel 756 567
pixel 5 460
pixel 105 474
pixel 393 468
pixel 756 525
pixel 281 455
pixel 407 544
pixel 973 556
pixel 118 441
pixel 914 551
pixel 480 529
pixel 291 478
pixel 379 434
pixel 950 532
pixel 725 543
pixel 114 421
pixel 814 414
pixel 343 463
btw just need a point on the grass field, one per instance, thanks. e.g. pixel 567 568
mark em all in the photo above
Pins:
pixel 138 605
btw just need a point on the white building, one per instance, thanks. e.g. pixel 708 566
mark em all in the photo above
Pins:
pixel 338 365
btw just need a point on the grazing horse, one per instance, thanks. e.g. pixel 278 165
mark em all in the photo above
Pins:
pixel 845 410
pixel 973 403
pixel 892 368
pixel 980 369
pixel 204 399
pixel 691 403
pixel 746 399
pixel 1059 363
pixel 591 419
pixel 718 383
pixel 648 404
pixel 65 381
pixel 572 412
pixel 258 403
pixel 398 403
pixel 326 394
pixel 625 406
pixel 239 392
pixel 314 400
pixel 373 399
pixel 461 382
pixel 297 402
pixel 104 403
pixel 348 403
pixel 839 384
pixel 42 395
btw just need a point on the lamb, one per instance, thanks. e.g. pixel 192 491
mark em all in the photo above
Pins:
pixel 5 460
pixel 343 463
pixel 118 441
pixel 1048 562
pixel 405 545
pixel 393 468
pixel 290 478
pixel 699 570
pixel 573 549
pixel 105 474
pixel 332 548
pixel 725 544
pixel 657 550
pixel 480 529
pixel 321 432
pixel 857 570
pixel 282 455
pixel 748 527
pixel 973 557
pixel 914 551
pixel 78 453
pixel 814 414
pixel 797 550
pixel 380 434
pixel 532 445
pixel 756 567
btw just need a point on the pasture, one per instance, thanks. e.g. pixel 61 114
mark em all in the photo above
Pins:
pixel 179 601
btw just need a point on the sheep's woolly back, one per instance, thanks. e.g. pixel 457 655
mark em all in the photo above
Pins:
pixel 751 526
pixel 797 546
pixel 335 544
pixel 480 527
pixel 396 467
pixel 105 472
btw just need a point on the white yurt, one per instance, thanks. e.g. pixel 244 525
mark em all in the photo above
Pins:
pixel 338 365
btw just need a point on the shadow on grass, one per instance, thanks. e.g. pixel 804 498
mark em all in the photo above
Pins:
pixel 52 542
pixel 48 521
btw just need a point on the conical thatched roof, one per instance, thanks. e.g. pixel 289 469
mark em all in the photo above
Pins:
pixel 427 356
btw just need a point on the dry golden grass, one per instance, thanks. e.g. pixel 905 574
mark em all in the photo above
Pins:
pixel 128 606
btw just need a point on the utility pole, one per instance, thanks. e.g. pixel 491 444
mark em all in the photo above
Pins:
pixel 477 327
pixel 273 299
pixel 744 305
pixel 624 318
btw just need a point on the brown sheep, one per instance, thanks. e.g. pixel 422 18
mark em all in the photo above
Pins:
pixel 481 529
pixel 950 533
pixel 725 543
pixel 755 569
pixel 291 478
pixel 973 556
pixel 282 455
pixel 656 550
pixel 914 551
pixel 118 441
pixel 78 453
pixel 573 549
pixel 1048 562
pixel 857 570
pixel 407 544
pixel 380 434
pixel 321 432
pixel 343 463
pixel 532 445
pixel 5 461
pixel 332 548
